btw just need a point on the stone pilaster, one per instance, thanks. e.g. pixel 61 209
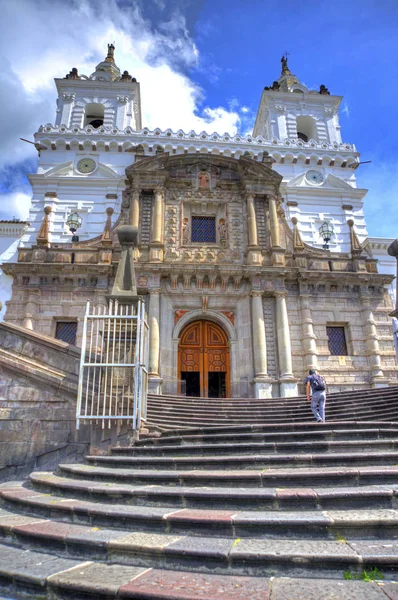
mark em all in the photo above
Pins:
pixel 157 238
pixel 288 384
pixel 377 378
pixel 154 341
pixel 309 338
pixel 262 382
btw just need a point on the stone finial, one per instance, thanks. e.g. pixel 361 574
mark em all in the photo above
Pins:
pixel 356 247
pixel 285 68
pixel 73 74
pixel 298 244
pixel 111 52
pixel 393 249
pixel 125 285
pixel 126 76
pixel 106 237
pixel 324 90
pixel 42 237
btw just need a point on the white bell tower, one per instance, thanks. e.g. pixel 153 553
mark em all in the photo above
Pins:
pixel 289 110
pixel 106 98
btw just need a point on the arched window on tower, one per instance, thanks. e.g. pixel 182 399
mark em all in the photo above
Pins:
pixel 94 115
pixel 306 129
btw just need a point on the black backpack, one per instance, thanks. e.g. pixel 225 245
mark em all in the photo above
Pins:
pixel 318 383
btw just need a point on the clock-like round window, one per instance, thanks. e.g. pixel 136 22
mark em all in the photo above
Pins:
pixel 314 177
pixel 86 165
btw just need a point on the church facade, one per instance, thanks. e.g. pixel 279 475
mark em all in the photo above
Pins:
pixel 251 255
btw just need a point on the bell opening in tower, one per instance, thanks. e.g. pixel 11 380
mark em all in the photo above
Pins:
pixel 94 115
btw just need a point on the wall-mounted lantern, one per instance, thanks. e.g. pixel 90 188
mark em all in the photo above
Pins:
pixel 326 231
pixel 74 222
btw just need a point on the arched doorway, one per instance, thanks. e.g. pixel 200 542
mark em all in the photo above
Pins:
pixel 203 360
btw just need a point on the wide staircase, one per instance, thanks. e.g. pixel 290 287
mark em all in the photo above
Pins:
pixel 254 501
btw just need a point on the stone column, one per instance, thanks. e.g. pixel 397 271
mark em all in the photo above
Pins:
pixel 154 341
pixel 157 237
pixel 254 256
pixel 31 309
pixel 309 338
pixel 251 221
pixel 135 207
pixel 262 382
pixel 288 384
pixel 157 217
pixel 377 378
pixel 274 224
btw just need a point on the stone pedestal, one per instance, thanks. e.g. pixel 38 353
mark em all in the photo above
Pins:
pixel 262 387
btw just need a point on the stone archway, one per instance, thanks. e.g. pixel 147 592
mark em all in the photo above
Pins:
pixel 204 360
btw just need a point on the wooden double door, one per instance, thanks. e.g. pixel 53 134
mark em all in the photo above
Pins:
pixel 203 360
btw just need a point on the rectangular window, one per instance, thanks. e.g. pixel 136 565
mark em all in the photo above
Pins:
pixel 66 331
pixel 336 340
pixel 204 229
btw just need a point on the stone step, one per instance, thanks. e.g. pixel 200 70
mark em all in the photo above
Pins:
pixel 326 524
pixel 361 396
pixel 327 433
pixel 300 447
pixel 287 427
pixel 260 557
pixel 287 412
pixel 258 478
pixel 43 576
pixel 262 461
pixel 167 421
pixel 270 498
pixel 287 406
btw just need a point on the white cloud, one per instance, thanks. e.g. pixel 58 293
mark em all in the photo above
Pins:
pixel 346 109
pixel 43 39
pixel 15 204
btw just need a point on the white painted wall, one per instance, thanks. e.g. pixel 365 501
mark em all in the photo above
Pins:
pixel 10 238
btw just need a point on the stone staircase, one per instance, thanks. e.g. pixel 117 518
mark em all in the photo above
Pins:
pixel 260 502
pixel 170 412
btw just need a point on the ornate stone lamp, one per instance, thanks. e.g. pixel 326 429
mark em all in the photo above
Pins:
pixel 326 231
pixel 74 222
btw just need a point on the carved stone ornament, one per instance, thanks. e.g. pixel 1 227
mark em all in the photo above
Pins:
pixel 298 244
pixel 43 237
pixel 230 315
pixel 125 285
pixel 106 237
pixel 356 247
pixel 178 314
pixel 69 96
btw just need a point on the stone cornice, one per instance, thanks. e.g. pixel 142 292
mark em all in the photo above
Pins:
pixel 128 139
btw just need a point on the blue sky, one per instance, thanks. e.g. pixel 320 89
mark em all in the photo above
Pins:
pixel 202 64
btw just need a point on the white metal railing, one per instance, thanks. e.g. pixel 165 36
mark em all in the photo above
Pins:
pixel 113 377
